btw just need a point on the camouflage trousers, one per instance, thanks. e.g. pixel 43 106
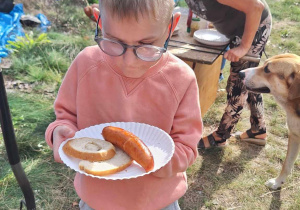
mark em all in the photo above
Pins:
pixel 237 95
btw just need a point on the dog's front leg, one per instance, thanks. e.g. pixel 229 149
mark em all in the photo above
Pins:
pixel 292 153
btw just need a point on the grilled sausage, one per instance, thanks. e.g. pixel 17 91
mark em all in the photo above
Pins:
pixel 131 144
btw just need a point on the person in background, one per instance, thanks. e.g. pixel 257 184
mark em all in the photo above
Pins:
pixel 130 77
pixel 248 24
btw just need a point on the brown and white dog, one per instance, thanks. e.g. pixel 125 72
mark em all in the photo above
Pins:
pixel 280 76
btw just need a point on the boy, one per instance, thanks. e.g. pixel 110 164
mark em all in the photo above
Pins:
pixel 130 77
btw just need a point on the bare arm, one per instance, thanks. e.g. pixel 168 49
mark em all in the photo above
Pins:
pixel 253 10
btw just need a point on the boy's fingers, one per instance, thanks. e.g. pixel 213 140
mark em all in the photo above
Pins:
pixel 57 158
pixel 65 132
pixel 60 134
pixel 56 145
pixel 226 55
pixel 68 133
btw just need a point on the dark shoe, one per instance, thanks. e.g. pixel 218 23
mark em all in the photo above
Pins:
pixel 212 142
pixel 252 138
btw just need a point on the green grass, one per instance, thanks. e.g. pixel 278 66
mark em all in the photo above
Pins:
pixel 285 9
pixel 182 3
pixel 286 25
pixel 232 178
pixel 51 182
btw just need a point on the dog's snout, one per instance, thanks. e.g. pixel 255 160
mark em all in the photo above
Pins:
pixel 242 75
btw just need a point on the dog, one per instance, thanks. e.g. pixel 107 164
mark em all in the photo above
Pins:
pixel 280 76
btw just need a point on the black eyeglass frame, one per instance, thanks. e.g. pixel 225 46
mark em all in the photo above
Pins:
pixel 134 47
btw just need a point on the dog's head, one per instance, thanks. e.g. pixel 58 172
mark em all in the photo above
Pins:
pixel 279 75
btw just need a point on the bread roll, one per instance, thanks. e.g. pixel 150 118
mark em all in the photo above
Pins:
pixel 89 149
pixel 102 168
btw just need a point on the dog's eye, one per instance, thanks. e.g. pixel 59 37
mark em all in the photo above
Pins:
pixel 266 70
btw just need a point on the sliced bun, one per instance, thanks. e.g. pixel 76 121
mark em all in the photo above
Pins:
pixel 102 168
pixel 89 149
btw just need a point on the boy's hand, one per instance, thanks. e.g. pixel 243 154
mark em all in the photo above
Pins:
pixel 88 10
pixel 60 134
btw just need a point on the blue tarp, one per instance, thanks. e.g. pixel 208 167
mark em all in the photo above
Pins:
pixel 10 28
pixel 44 22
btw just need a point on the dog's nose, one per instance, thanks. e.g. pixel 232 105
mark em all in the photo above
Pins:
pixel 242 75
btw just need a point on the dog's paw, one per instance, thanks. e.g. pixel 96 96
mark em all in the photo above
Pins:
pixel 273 184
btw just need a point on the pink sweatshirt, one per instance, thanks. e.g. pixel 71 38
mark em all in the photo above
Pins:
pixel 95 91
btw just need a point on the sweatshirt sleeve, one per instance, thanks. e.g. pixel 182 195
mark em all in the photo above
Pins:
pixel 186 133
pixel 65 104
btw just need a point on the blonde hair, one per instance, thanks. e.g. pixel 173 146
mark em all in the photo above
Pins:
pixel 159 10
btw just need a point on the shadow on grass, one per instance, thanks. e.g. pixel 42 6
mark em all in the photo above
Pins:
pixel 215 173
pixel 276 202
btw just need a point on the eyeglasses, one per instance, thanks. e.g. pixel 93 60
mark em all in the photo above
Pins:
pixel 144 52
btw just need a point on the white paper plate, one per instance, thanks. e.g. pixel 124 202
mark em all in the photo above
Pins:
pixel 210 37
pixel 158 141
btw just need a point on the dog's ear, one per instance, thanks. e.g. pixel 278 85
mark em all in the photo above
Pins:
pixel 294 90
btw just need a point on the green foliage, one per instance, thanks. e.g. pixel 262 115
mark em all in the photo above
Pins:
pixel 93 1
pixel 31 62
pixel 21 64
pixel 40 68
pixel 38 74
pixel 27 43
pixel 46 57
pixel 45 61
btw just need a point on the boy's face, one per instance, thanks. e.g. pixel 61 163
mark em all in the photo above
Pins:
pixel 131 32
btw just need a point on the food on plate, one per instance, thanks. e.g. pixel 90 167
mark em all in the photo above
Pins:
pixel 131 144
pixel 90 149
pixel 102 168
